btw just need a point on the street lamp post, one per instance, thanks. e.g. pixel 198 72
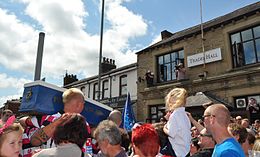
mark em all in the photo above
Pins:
pixel 100 49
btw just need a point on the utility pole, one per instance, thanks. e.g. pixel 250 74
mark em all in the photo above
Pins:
pixel 100 50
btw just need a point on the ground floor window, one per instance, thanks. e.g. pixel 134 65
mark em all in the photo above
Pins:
pixel 250 103
pixel 155 113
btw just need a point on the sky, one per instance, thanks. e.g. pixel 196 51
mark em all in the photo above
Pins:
pixel 72 34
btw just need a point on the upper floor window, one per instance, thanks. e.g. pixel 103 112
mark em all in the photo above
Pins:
pixel 105 92
pixel 123 85
pixel 95 91
pixel 246 46
pixel 166 65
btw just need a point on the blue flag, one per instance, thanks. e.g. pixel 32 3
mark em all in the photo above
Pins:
pixel 128 115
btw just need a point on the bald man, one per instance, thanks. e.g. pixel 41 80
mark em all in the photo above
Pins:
pixel 116 117
pixel 216 120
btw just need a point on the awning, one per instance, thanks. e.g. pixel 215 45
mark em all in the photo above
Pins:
pixel 201 98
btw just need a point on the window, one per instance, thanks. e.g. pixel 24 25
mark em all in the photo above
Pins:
pixel 249 103
pixel 123 85
pixel 166 65
pixel 105 92
pixel 155 113
pixel 246 46
pixel 244 103
pixel 95 91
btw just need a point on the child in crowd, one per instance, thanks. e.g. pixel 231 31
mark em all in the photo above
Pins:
pixel 10 138
pixel 178 127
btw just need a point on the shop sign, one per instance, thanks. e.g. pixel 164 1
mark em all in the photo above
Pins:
pixel 115 102
pixel 210 56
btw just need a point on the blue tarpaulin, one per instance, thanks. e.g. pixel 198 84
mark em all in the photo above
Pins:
pixel 45 98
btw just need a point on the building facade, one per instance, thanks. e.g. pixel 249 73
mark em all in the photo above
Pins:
pixel 228 69
pixel 115 84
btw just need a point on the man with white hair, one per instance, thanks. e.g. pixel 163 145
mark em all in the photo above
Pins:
pixel 108 140
pixel 216 120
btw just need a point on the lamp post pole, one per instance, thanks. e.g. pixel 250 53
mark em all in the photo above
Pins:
pixel 100 49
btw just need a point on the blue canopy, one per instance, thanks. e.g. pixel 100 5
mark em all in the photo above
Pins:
pixel 45 98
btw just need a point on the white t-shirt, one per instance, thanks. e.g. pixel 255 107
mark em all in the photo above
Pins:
pixel 65 150
pixel 179 132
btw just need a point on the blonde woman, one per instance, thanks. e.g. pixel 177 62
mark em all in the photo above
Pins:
pixel 178 127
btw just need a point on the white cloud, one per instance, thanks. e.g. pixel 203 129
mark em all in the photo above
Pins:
pixel 11 83
pixel 61 17
pixel 67 46
pixel 156 39
pixel 17 42
pixel 124 24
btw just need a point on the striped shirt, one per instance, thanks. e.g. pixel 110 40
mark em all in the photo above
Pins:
pixel 40 122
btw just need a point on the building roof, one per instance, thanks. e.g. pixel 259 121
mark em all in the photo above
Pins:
pixel 104 74
pixel 236 15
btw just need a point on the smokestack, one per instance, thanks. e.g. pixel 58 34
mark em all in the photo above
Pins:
pixel 38 67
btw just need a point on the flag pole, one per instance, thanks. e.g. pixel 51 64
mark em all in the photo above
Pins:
pixel 202 34
pixel 100 50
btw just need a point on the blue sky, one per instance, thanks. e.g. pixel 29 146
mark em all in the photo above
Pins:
pixel 72 34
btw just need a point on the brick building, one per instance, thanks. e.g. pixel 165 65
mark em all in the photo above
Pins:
pixel 230 73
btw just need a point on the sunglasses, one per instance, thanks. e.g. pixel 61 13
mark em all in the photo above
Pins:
pixel 209 115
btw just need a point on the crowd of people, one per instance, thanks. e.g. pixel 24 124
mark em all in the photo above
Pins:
pixel 67 133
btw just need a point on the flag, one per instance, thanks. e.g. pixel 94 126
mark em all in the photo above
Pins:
pixel 128 114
